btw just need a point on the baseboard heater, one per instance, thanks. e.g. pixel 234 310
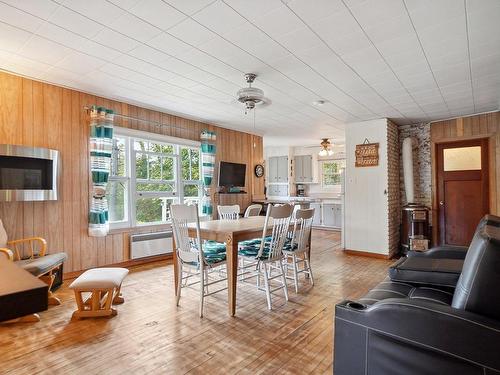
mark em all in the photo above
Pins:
pixel 150 244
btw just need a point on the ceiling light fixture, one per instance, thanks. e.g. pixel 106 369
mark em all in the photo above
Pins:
pixel 319 103
pixel 250 96
pixel 326 149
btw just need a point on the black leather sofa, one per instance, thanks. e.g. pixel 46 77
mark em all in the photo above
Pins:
pixel 419 328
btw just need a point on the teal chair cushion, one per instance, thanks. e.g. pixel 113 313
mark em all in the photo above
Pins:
pixel 214 247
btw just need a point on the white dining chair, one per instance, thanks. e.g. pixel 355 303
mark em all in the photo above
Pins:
pixel 253 210
pixel 229 212
pixel 268 254
pixel 193 259
pixel 296 248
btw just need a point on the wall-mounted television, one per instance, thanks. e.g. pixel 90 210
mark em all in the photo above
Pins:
pixel 28 173
pixel 232 174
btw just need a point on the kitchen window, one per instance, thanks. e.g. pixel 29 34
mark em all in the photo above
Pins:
pixel 149 173
pixel 331 171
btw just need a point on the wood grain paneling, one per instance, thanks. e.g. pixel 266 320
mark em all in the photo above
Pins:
pixel 42 115
pixel 485 125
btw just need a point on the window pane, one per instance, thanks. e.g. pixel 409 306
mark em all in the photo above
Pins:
pixel 462 158
pixel 117 198
pixel 185 164
pixel 153 210
pixel 141 165
pixel 141 146
pixel 118 158
pixel 195 165
pixel 190 164
pixel 149 186
pixel 154 168
pixel 192 194
pixel 168 167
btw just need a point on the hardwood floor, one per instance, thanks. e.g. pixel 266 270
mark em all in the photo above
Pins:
pixel 151 335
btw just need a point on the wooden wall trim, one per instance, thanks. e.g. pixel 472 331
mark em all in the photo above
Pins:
pixel 366 254
pixel 38 114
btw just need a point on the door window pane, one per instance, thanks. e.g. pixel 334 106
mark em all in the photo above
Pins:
pixel 462 159
pixel 118 158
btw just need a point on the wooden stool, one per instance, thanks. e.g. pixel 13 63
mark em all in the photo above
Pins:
pixel 103 288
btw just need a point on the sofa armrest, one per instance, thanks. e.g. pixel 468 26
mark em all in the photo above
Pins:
pixel 439 330
pixel 441 252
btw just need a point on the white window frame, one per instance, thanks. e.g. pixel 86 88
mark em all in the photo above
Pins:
pixel 322 175
pixel 132 195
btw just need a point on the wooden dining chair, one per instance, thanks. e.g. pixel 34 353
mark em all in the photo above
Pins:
pixel 229 212
pixel 268 254
pixel 253 210
pixel 192 256
pixel 296 248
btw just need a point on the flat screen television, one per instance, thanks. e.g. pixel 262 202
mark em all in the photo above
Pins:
pixel 232 174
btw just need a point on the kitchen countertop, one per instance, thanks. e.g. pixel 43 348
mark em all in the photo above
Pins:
pixel 299 199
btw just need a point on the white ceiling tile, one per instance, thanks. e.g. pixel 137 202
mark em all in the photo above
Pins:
pixel 125 4
pixel 116 40
pixel 315 11
pixel 278 22
pixel 219 18
pixel 258 8
pixel 149 54
pixel 80 63
pixel 12 38
pixel 157 13
pixel 39 8
pixel 97 10
pixel 75 22
pixel 169 44
pixel 133 27
pixel 38 48
pixel 192 32
pixel 189 7
pixel 18 18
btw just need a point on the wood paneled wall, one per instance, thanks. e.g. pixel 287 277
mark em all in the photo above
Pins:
pixel 36 114
pixel 478 126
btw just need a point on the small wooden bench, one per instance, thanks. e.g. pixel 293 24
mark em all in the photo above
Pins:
pixel 96 290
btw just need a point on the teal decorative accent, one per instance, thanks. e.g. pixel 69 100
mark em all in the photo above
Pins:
pixel 101 149
pixel 208 149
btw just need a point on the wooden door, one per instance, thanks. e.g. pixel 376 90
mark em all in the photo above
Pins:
pixel 462 189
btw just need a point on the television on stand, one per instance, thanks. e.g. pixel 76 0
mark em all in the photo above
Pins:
pixel 232 177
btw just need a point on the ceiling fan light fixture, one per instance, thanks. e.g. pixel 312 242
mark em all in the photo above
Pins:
pixel 326 149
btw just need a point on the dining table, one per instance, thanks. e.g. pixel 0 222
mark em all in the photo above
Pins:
pixel 230 232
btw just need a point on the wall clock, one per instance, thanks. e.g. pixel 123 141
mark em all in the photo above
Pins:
pixel 259 170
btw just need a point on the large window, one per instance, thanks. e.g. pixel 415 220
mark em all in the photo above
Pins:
pixel 147 176
pixel 331 172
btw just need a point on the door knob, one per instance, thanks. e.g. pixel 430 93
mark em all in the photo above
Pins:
pixel 441 203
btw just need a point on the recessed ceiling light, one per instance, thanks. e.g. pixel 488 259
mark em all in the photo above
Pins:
pixel 319 102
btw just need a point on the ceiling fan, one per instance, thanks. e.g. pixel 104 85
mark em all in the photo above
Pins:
pixel 251 96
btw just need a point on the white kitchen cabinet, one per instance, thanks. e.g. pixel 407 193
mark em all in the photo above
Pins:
pixel 337 215
pixel 303 166
pixel 273 169
pixel 282 169
pixel 317 213
pixel 329 214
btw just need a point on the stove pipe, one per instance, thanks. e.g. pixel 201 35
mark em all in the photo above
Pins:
pixel 408 170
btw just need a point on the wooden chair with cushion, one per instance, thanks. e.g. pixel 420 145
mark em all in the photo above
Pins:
pixel 37 263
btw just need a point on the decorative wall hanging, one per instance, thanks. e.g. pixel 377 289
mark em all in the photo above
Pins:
pixel 367 154
pixel 101 147
pixel 208 149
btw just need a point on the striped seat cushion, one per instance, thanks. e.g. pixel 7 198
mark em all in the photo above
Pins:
pixel 214 247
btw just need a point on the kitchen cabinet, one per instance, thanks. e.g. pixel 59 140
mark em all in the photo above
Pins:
pixel 317 213
pixel 273 169
pixel 329 215
pixel 303 165
pixel 282 169
pixel 337 215
pixel 278 190
pixel 278 169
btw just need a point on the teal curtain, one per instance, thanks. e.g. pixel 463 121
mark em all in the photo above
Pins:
pixel 208 148
pixel 101 148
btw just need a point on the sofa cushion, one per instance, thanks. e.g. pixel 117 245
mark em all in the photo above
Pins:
pixel 394 289
pixel 106 278
pixel 42 265
pixel 427 271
